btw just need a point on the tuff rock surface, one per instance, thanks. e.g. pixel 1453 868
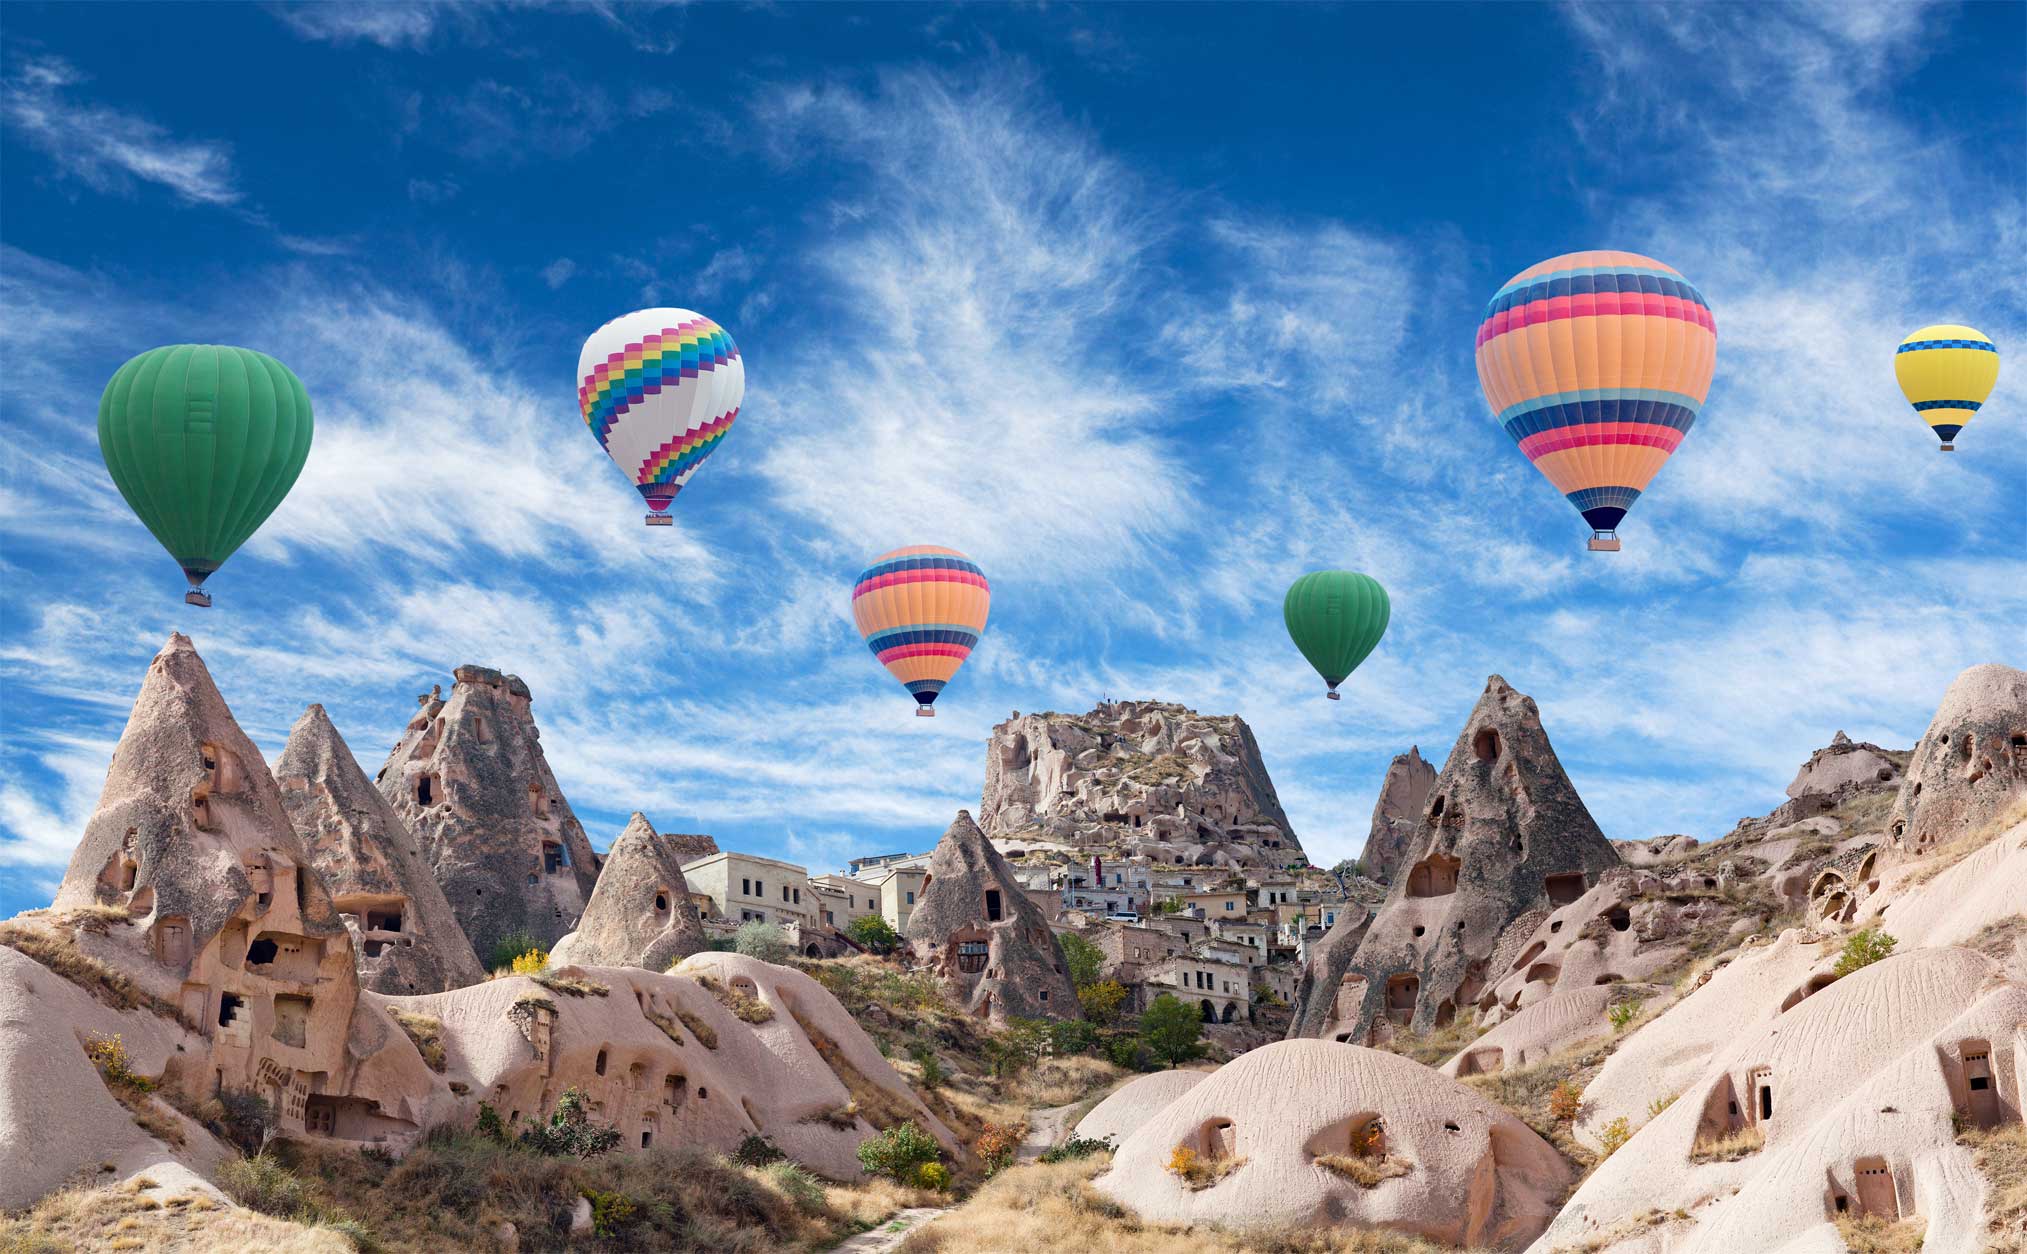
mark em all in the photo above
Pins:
pixel 987 943
pixel 1970 766
pixel 640 914
pixel 1143 777
pixel 1402 796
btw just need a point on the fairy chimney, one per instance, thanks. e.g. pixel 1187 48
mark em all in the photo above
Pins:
pixel 406 938
pixel 469 779
pixel 988 944
pixel 1401 798
pixel 1504 838
pixel 1970 767
pixel 640 914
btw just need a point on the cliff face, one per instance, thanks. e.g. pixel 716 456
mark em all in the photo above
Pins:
pixel 1503 840
pixel 1401 798
pixel 1142 777
pixel 469 779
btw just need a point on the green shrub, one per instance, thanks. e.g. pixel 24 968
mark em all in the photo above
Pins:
pixel 240 1116
pixel 490 1125
pixel 1072 1036
pixel 804 1189
pixel 1077 1147
pixel 509 947
pixel 261 1183
pixel 756 1151
pixel 757 938
pixel 931 1065
pixel 1101 1001
pixel 1170 1030
pixel 1127 1052
pixel 1082 959
pixel 933 1176
pixel 569 1132
pixel 1623 1014
pixel 1613 1135
pixel 611 1211
pixel 898 1153
pixel 874 933
pixel 1861 949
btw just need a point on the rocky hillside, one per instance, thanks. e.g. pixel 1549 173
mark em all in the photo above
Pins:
pixel 1143 778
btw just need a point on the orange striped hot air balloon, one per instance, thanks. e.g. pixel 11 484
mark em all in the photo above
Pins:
pixel 921 610
pixel 1596 364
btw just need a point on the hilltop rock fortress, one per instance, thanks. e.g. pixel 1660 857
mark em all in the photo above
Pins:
pixel 193 925
pixel 1402 795
pixel 1311 1133
pixel 469 779
pixel 640 913
pixel 403 932
pixel 987 944
pixel 1505 840
pixel 1145 778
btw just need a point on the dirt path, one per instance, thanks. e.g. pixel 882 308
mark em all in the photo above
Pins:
pixel 1045 1129
pixel 892 1233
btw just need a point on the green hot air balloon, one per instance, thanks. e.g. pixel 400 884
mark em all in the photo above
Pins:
pixel 1335 617
pixel 204 441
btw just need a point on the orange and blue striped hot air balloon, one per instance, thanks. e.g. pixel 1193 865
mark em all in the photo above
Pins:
pixel 1596 364
pixel 921 610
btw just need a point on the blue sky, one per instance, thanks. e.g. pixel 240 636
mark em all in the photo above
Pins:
pixel 1148 309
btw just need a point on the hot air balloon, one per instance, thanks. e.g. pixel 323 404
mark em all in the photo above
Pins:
pixel 660 388
pixel 1946 372
pixel 1335 617
pixel 1596 364
pixel 203 441
pixel 921 610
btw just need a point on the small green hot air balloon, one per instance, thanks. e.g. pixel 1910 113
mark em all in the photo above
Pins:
pixel 204 441
pixel 1335 617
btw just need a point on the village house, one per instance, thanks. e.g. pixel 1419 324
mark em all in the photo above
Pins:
pixel 900 888
pixel 743 887
pixel 840 899
pixel 1226 903
pixel 1222 992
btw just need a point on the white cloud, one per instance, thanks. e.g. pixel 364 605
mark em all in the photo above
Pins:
pixel 106 148
pixel 384 22
pixel 558 272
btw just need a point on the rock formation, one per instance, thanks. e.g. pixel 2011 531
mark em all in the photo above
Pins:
pixel 1545 1029
pixel 404 935
pixel 1505 840
pixel 1323 970
pixel 1845 1104
pixel 1133 1103
pixel 1402 797
pixel 1970 767
pixel 1281 1135
pixel 685 847
pixel 469 779
pixel 1655 850
pixel 1834 769
pixel 210 904
pixel 640 914
pixel 988 944
pixel 1140 777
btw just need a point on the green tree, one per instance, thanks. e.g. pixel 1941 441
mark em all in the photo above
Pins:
pixel 1170 1030
pixel 1102 1000
pixel 899 1152
pixel 874 933
pixel 760 939
pixel 1861 949
pixel 1085 960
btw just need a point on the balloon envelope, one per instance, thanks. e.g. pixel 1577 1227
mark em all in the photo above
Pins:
pixel 1336 617
pixel 921 611
pixel 1946 372
pixel 1596 364
pixel 203 441
pixel 660 388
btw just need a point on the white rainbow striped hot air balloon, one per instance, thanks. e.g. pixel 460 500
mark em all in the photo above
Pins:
pixel 660 388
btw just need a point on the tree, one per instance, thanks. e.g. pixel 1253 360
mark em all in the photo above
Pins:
pixel 760 939
pixel 1170 1029
pixel 1861 949
pixel 1085 960
pixel 874 933
pixel 1102 1000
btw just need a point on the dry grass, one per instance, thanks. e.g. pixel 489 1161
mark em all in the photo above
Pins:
pixel 1729 1148
pixel 1529 1093
pixel 1438 1045
pixel 575 985
pixel 878 1106
pixel 743 1005
pixel 1869 1234
pixel 1946 856
pixel 1366 1173
pixel 1198 1172
pixel 427 1033
pixel 666 1024
pixel 1051 1209
pixel 59 952
pixel 706 1035
pixel 2001 1154
pixel 121 1218
pixel 1061 1081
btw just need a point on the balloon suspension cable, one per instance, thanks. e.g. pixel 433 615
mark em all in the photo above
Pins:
pixel 197 597
pixel 1332 694
pixel 925 711
pixel 1604 542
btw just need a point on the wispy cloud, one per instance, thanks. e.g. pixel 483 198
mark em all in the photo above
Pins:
pixel 106 148
pixel 558 272
pixel 388 23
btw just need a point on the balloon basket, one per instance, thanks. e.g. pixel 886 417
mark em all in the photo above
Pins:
pixel 924 711
pixel 1333 696
pixel 1947 447
pixel 660 520
pixel 198 597
pixel 1604 542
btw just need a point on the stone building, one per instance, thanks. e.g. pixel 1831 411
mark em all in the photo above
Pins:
pixel 470 780
pixel 1222 992
pixel 976 929
pixel 745 887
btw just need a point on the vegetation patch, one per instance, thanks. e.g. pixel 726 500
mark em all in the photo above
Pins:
pixel 876 1104
pixel 706 1035
pixel 1199 1172
pixel 59 952
pixel 666 1024
pixel 2001 1155
pixel 1729 1148
pixel 574 985
pixel 1861 949
pixel 427 1033
pixel 1870 1234
pixel 1365 1172
pixel 743 1005
pixel 121 1217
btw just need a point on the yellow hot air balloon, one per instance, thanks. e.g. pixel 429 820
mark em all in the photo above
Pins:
pixel 1946 372
pixel 921 610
